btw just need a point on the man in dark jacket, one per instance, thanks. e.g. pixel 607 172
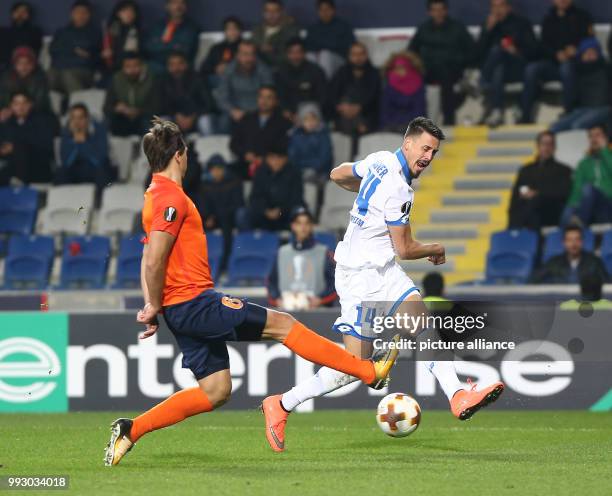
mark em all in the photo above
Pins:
pixel 573 265
pixel 221 197
pixel 185 97
pixel 563 28
pixel 21 32
pixel 75 51
pixel 445 47
pixel 299 80
pixel 176 33
pixel 506 44
pixel 132 97
pixel 330 38
pixel 354 94
pixel 277 189
pixel 258 131
pixel 541 188
pixel 272 35
pixel 222 53
pixel 26 144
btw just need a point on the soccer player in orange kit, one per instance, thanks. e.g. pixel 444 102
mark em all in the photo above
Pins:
pixel 176 282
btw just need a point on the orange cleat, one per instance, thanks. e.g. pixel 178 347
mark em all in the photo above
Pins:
pixel 466 402
pixel 276 419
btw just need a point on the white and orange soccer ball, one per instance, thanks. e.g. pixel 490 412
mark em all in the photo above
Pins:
pixel 398 415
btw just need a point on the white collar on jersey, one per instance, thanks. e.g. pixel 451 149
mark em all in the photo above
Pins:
pixel 404 163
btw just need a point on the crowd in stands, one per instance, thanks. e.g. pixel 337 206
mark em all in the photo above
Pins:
pixel 281 90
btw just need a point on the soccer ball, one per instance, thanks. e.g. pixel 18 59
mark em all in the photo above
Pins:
pixel 398 415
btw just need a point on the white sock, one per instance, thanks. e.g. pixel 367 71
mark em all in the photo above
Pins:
pixel 324 381
pixel 445 372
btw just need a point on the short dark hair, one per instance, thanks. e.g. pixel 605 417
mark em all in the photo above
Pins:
pixel 23 93
pixel 541 134
pixel 233 20
pixel 599 125
pixel 295 41
pixel 163 140
pixel 269 87
pixel 178 53
pixel 130 55
pixel 276 2
pixel 331 3
pixel 248 42
pixel 433 284
pixel 431 2
pixel 79 106
pixel 81 3
pixel 18 5
pixel 591 286
pixel 570 228
pixel 418 125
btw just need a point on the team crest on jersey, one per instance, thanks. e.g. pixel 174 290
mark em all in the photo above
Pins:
pixel 170 214
pixel 406 207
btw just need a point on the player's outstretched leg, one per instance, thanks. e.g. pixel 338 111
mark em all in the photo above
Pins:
pixel 213 391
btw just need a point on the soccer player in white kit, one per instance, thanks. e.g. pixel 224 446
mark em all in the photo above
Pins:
pixel 366 271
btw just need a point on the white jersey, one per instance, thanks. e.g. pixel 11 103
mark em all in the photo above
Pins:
pixel 385 199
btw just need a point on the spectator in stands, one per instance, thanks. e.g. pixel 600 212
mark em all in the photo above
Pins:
pixel 21 32
pixel 329 39
pixel 132 97
pixel 298 80
pixel 304 270
pixel 222 53
pixel 572 265
pixel 122 34
pixel 591 196
pixel 593 93
pixel 75 51
pixel 591 293
pixel 272 35
pixel 563 28
pixel 221 197
pixel 403 95
pixel 258 132
pixel 176 33
pixel 506 43
pixel 83 150
pixel 445 46
pixel 185 98
pixel 277 190
pixel 541 188
pixel 24 75
pixel 354 94
pixel 433 287
pixel 237 91
pixel 310 148
pixel 26 144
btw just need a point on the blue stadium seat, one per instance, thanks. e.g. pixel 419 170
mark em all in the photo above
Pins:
pixel 253 254
pixel 553 243
pixel 86 268
pixel 128 261
pixel 215 252
pixel 28 262
pixel 606 250
pixel 327 238
pixel 511 256
pixel 18 208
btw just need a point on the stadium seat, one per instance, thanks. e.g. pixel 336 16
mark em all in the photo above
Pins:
pixel 85 262
pixel 28 262
pixel 336 205
pixel 571 146
pixel 214 242
pixel 122 150
pixel 375 142
pixel 93 98
pixel 128 261
pixel 606 250
pixel 68 209
pixel 553 243
pixel 253 254
pixel 327 238
pixel 511 256
pixel 121 203
pixel 17 209
pixel 311 193
pixel 341 148
pixel 207 146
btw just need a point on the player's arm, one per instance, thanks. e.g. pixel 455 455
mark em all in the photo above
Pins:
pixel 408 248
pixel 160 245
pixel 346 176
pixel 143 282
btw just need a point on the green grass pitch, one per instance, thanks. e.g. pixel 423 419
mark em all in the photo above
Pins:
pixel 338 452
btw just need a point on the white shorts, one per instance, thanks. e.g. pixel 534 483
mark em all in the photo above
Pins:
pixel 366 293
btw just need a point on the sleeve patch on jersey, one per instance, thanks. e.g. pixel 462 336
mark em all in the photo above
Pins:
pixel 170 214
pixel 406 207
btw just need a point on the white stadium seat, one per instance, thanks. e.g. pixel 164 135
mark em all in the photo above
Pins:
pixel 310 197
pixel 120 205
pixel 341 148
pixel 68 209
pixel 122 154
pixel 571 146
pixel 93 98
pixel 336 205
pixel 207 146
pixel 376 142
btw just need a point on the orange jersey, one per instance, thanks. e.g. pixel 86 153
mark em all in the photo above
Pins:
pixel 167 208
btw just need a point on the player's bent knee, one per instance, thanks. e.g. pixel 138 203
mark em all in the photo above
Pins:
pixel 278 325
